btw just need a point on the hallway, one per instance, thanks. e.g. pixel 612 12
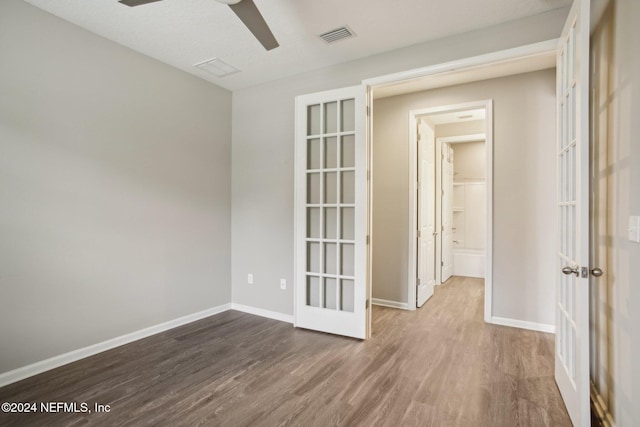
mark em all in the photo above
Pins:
pixel 469 372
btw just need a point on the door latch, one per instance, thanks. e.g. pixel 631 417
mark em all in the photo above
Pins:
pixel 578 271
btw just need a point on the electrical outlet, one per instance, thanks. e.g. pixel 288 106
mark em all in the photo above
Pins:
pixel 250 279
pixel 283 284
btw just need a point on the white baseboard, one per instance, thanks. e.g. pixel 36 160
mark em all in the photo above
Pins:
pixel 392 304
pixel 523 324
pixel 600 408
pixel 263 313
pixel 72 356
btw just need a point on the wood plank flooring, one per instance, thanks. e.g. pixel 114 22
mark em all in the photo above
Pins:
pixel 438 366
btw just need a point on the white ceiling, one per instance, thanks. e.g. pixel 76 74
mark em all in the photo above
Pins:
pixel 186 32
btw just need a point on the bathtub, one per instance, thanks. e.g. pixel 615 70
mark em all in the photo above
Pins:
pixel 469 262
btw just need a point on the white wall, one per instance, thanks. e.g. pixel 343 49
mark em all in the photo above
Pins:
pixel 114 189
pixel 524 190
pixel 470 167
pixel 615 313
pixel 263 138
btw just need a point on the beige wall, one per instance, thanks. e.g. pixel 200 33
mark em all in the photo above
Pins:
pixel 462 128
pixel 523 207
pixel 469 161
pixel 469 157
pixel 615 307
pixel 263 149
pixel 114 189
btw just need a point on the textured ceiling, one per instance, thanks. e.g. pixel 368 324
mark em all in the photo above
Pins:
pixel 186 32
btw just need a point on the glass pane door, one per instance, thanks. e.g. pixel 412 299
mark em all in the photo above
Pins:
pixel 331 209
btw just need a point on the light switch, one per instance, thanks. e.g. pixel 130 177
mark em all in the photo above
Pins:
pixel 634 229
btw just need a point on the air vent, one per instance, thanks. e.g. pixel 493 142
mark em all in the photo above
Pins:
pixel 217 67
pixel 337 34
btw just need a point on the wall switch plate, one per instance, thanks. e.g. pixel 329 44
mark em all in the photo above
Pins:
pixel 250 279
pixel 283 284
pixel 634 229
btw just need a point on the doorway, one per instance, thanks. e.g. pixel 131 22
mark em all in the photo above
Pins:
pixel 457 82
pixel 451 196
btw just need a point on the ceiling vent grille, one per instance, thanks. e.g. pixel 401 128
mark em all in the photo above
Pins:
pixel 337 34
pixel 217 67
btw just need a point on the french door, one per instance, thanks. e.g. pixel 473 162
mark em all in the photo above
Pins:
pixel 572 290
pixel 331 212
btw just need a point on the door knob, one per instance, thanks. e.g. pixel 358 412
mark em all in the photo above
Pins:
pixel 569 270
pixel 596 272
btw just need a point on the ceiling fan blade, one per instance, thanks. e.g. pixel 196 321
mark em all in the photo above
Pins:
pixel 249 14
pixel 132 3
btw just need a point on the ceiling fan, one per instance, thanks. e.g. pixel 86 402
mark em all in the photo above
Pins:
pixel 248 13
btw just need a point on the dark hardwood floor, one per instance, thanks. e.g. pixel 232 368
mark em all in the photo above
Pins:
pixel 438 366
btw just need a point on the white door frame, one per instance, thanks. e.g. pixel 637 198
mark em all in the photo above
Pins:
pixel 438 70
pixel 414 116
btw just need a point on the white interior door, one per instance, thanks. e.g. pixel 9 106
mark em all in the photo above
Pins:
pixel 572 296
pixel 426 213
pixel 331 218
pixel 447 213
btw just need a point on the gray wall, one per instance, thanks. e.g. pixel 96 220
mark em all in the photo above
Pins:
pixel 114 189
pixel 523 199
pixel 263 149
pixel 615 313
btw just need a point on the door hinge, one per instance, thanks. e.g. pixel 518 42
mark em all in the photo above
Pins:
pixel 417 281
pixel 368 111
pixel 442 228
pixel 367 239
pixel 584 272
pixel 418 185
pixel 366 305
pixel 368 175
pixel 441 263
pixel 419 234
